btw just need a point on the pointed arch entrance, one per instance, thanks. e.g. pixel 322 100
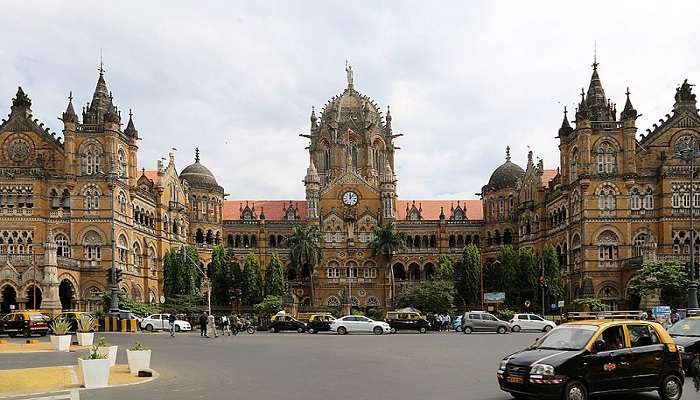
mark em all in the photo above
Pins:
pixel 9 299
pixel 66 293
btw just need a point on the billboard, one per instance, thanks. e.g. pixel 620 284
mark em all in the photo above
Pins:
pixel 494 297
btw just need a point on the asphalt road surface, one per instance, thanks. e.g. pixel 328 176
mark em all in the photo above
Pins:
pixel 314 367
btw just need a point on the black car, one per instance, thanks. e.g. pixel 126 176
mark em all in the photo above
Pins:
pixel 686 333
pixel 320 322
pixel 26 323
pixel 406 321
pixel 280 323
pixel 576 360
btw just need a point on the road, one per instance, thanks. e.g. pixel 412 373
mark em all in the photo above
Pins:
pixel 313 367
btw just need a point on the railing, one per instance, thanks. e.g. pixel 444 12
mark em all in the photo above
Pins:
pixel 606 125
pixel 59 213
pixel 608 264
pixel 21 259
pixel 606 315
pixel 643 213
pixel 685 212
pixel 68 262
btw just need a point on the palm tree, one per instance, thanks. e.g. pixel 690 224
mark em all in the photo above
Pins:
pixel 386 242
pixel 305 248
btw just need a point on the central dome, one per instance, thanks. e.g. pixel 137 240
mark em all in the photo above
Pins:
pixel 197 175
pixel 507 175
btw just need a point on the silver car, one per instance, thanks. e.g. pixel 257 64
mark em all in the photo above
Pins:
pixel 481 321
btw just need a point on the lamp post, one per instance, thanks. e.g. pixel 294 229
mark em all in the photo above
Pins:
pixel 114 299
pixel 688 153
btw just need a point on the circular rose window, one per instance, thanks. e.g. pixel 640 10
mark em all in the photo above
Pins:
pixel 19 150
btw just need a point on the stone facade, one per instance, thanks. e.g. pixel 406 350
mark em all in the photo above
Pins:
pixel 618 198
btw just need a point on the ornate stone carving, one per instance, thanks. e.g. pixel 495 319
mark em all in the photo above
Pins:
pixel 19 150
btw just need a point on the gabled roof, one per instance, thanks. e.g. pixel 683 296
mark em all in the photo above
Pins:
pixel 548 175
pixel 431 208
pixel 273 209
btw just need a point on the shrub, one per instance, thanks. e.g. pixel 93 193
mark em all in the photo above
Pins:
pixel 60 326
pixel 86 323
pixel 138 346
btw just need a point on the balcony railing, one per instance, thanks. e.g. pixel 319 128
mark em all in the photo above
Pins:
pixel 606 125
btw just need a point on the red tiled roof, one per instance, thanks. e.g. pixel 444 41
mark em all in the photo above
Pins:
pixel 152 175
pixel 431 208
pixel 548 175
pixel 274 209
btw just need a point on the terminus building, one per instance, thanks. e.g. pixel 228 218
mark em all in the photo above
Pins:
pixel 618 198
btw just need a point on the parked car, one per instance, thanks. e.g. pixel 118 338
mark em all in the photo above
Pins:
pixel 319 322
pixel 280 323
pixel 579 359
pixel 481 321
pixel 686 334
pixel 534 322
pixel 457 323
pixel 160 322
pixel 72 318
pixel 358 323
pixel 409 321
pixel 25 322
pixel 129 315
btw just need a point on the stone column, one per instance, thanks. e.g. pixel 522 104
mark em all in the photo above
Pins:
pixel 50 300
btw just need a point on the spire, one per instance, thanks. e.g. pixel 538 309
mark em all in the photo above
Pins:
pixel 442 212
pixel 311 174
pixel 595 98
pixel 507 153
pixel 130 129
pixel 101 101
pixel 565 128
pixel 388 120
pixel 313 117
pixel 21 103
pixel 69 115
pixel 196 154
pixel 628 111
pixel 582 112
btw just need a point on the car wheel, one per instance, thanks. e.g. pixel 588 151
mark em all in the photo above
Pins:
pixel 378 330
pixel 342 330
pixel 27 333
pixel 467 330
pixel 516 328
pixel 393 330
pixel 671 388
pixel 300 330
pixel 501 330
pixel 177 328
pixel 311 330
pixel 547 328
pixel 422 330
pixel 149 328
pixel 271 330
pixel 575 390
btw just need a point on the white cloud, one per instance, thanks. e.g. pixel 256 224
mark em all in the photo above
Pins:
pixel 238 78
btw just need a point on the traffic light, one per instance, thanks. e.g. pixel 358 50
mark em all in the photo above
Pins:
pixel 119 275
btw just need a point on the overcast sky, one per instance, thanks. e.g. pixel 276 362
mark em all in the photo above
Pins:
pixel 238 79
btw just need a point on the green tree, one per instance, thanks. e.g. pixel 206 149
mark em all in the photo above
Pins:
pixel 224 278
pixel 269 306
pixel 502 274
pixel 525 277
pixel 127 303
pixel 667 279
pixel 180 275
pixel 552 272
pixel 274 276
pixel 468 277
pixel 305 248
pixel 433 296
pixel 590 303
pixel 386 242
pixel 445 269
pixel 252 284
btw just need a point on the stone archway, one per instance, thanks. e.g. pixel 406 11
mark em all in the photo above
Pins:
pixel 34 297
pixel 66 294
pixel 9 299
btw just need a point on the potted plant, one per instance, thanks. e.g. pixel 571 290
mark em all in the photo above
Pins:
pixel 60 340
pixel 86 327
pixel 107 350
pixel 139 357
pixel 95 369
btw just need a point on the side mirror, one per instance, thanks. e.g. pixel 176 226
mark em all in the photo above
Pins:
pixel 599 346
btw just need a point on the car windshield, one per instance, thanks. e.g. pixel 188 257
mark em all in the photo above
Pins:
pixel 566 337
pixel 686 327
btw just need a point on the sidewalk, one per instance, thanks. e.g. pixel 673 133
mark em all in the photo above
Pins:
pixel 33 381
pixel 40 347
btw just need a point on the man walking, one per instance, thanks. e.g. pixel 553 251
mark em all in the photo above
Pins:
pixel 172 319
pixel 203 324
pixel 212 325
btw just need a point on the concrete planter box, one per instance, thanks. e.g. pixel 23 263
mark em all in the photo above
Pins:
pixel 61 342
pixel 138 360
pixel 95 373
pixel 110 352
pixel 85 338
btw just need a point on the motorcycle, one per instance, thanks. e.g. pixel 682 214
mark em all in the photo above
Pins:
pixel 244 325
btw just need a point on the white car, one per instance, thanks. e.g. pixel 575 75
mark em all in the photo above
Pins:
pixel 160 322
pixel 358 323
pixel 530 322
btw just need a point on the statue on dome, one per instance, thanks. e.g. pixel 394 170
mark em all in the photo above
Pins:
pixel 348 73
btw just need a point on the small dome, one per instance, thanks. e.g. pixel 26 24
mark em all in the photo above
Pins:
pixel 197 175
pixel 507 175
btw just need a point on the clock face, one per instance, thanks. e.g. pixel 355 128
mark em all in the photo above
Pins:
pixel 350 198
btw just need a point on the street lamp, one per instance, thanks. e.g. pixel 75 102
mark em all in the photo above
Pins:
pixel 689 153
pixel 114 289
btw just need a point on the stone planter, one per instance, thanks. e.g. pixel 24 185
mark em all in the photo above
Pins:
pixel 85 338
pixel 110 352
pixel 61 342
pixel 139 360
pixel 95 373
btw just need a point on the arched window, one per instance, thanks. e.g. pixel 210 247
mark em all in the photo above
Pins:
pixel 325 159
pixel 123 249
pixel 65 199
pixel 333 302
pixel 62 245
pixel 606 158
pixel 137 255
pixel 122 203
pixel 635 200
pixel 648 200
pixel 53 195
pixel 152 261
pixel 90 159
pixel 573 171
pixel 91 245
pixel 641 242
pixel 353 155
pixel 606 199
pixel 607 246
pixel 122 164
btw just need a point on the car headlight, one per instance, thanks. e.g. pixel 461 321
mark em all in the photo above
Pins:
pixel 503 364
pixel 542 369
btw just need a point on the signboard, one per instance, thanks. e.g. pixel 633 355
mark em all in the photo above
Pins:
pixel 494 297
pixel 554 306
pixel 561 304
pixel 661 314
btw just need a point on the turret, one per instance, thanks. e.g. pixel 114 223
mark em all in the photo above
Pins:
pixel 313 185
pixel 387 189
pixel 130 128
pixel 21 104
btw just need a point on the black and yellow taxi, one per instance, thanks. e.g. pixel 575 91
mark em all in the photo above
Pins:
pixel 406 321
pixel 284 322
pixel 72 318
pixel 583 358
pixel 686 334
pixel 319 322
pixel 26 323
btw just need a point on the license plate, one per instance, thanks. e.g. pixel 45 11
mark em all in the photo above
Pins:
pixel 514 379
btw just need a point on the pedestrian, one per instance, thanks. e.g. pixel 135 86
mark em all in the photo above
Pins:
pixel 226 324
pixel 171 320
pixel 212 325
pixel 448 322
pixel 203 324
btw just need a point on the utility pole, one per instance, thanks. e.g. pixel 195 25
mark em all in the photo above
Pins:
pixel 691 153
pixel 205 278
pixel 114 289
pixel 542 288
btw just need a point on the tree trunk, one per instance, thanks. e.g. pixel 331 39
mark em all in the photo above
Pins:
pixel 392 282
